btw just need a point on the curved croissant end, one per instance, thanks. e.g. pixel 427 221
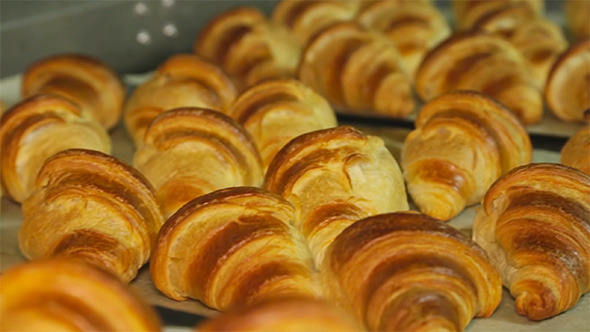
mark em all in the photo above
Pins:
pixel 234 246
pixel 575 151
pixel 535 226
pixel 67 295
pixel 335 177
pixel 89 205
pixel 462 143
pixel 37 128
pixel 405 271
pixel 183 80
pixel 86 81
pixel 467 12
pixel 277 111
pixel 188 152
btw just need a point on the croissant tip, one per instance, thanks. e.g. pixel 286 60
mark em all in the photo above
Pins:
pixel 536 306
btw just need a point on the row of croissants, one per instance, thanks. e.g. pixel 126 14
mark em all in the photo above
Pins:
pixel 245 194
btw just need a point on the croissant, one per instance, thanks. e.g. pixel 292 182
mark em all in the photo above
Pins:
pixel 335 177
pixel 534 226
pixel 37 128
pixel 567 91
pixel 188 152
pixel 91 206
pixel 86 81
pixel 405 271
pixel 481 62
pixel 249 46
pixel 467 12
pixel 462 143
pixel 577 18
pixel 357 70
pixel 414 26
pixel 235 246
pixel 68 295
pixel 576 151
pixel 276 111
pixel 183 80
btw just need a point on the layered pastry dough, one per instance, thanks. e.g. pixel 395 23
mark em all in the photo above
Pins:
pixel 576 151
pixel 534 225
pixel 91 206
pixel 462 143
pixel 69 295
pixel 249 46
pixel 235 246
pixel 188 152
pixel 37 128
pixel 355 69
pixel 486 63
pixel 86 81
pixel 276 111
pixel 567 91
pixel 577 15
pixel 467 12
pixel 405 271
pixel 335 177
pixel 183 80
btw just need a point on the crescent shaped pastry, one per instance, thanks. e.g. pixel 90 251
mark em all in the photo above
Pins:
pixel 467 12
pixel 276 111
pixel 335 177
pixel 577 17
pixel 405 271
pixel 37 128
pixel 85 80
pixel 188 152
pixel 462 143
pixel 576 151
pixel 183 80
pixel 68 295
pixel 91 206
pixel 535 226
pixel 235 246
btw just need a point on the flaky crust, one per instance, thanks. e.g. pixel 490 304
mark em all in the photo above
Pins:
pixel 405 271
pixel 235 246
pixel 85 80
pixel 576 151
pixel 68 295
pixel 89 205
pixel 535 226
pixel 35 129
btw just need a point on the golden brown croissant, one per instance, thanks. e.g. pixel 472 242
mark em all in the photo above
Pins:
pixel 235 246
pixel 577 17
pixel 406 271
pixel 284 315
pixel 249 46
pixel 467 12
pixel 86 81
pixel 91 206
pixel 183 80
pixel 576 151
pixel 534 225
pixel 358 70
pixel 37 128
pixel 462 143
pixel 482 62
pixel 567 91
pixel 188 152
pixel 276 111
pixel 69 295
pixel 335 177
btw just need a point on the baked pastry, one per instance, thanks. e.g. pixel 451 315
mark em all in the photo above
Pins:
pixel 232 247
pixel 91 206
pixel 467 12
pixel 249 46
pixel 576 151
pixel 183 80
pixel 355 69
pixel 38 127
pixel 288 315
pixel 88 82
pixel 188 152
pixel 567 91
pixel 462 143
pixel 69 295
pixel 577 18
pixel 414 26
pixel 406 271
pixel 276 111
pixel 534 226
pixel 335 177
pixel 485 63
